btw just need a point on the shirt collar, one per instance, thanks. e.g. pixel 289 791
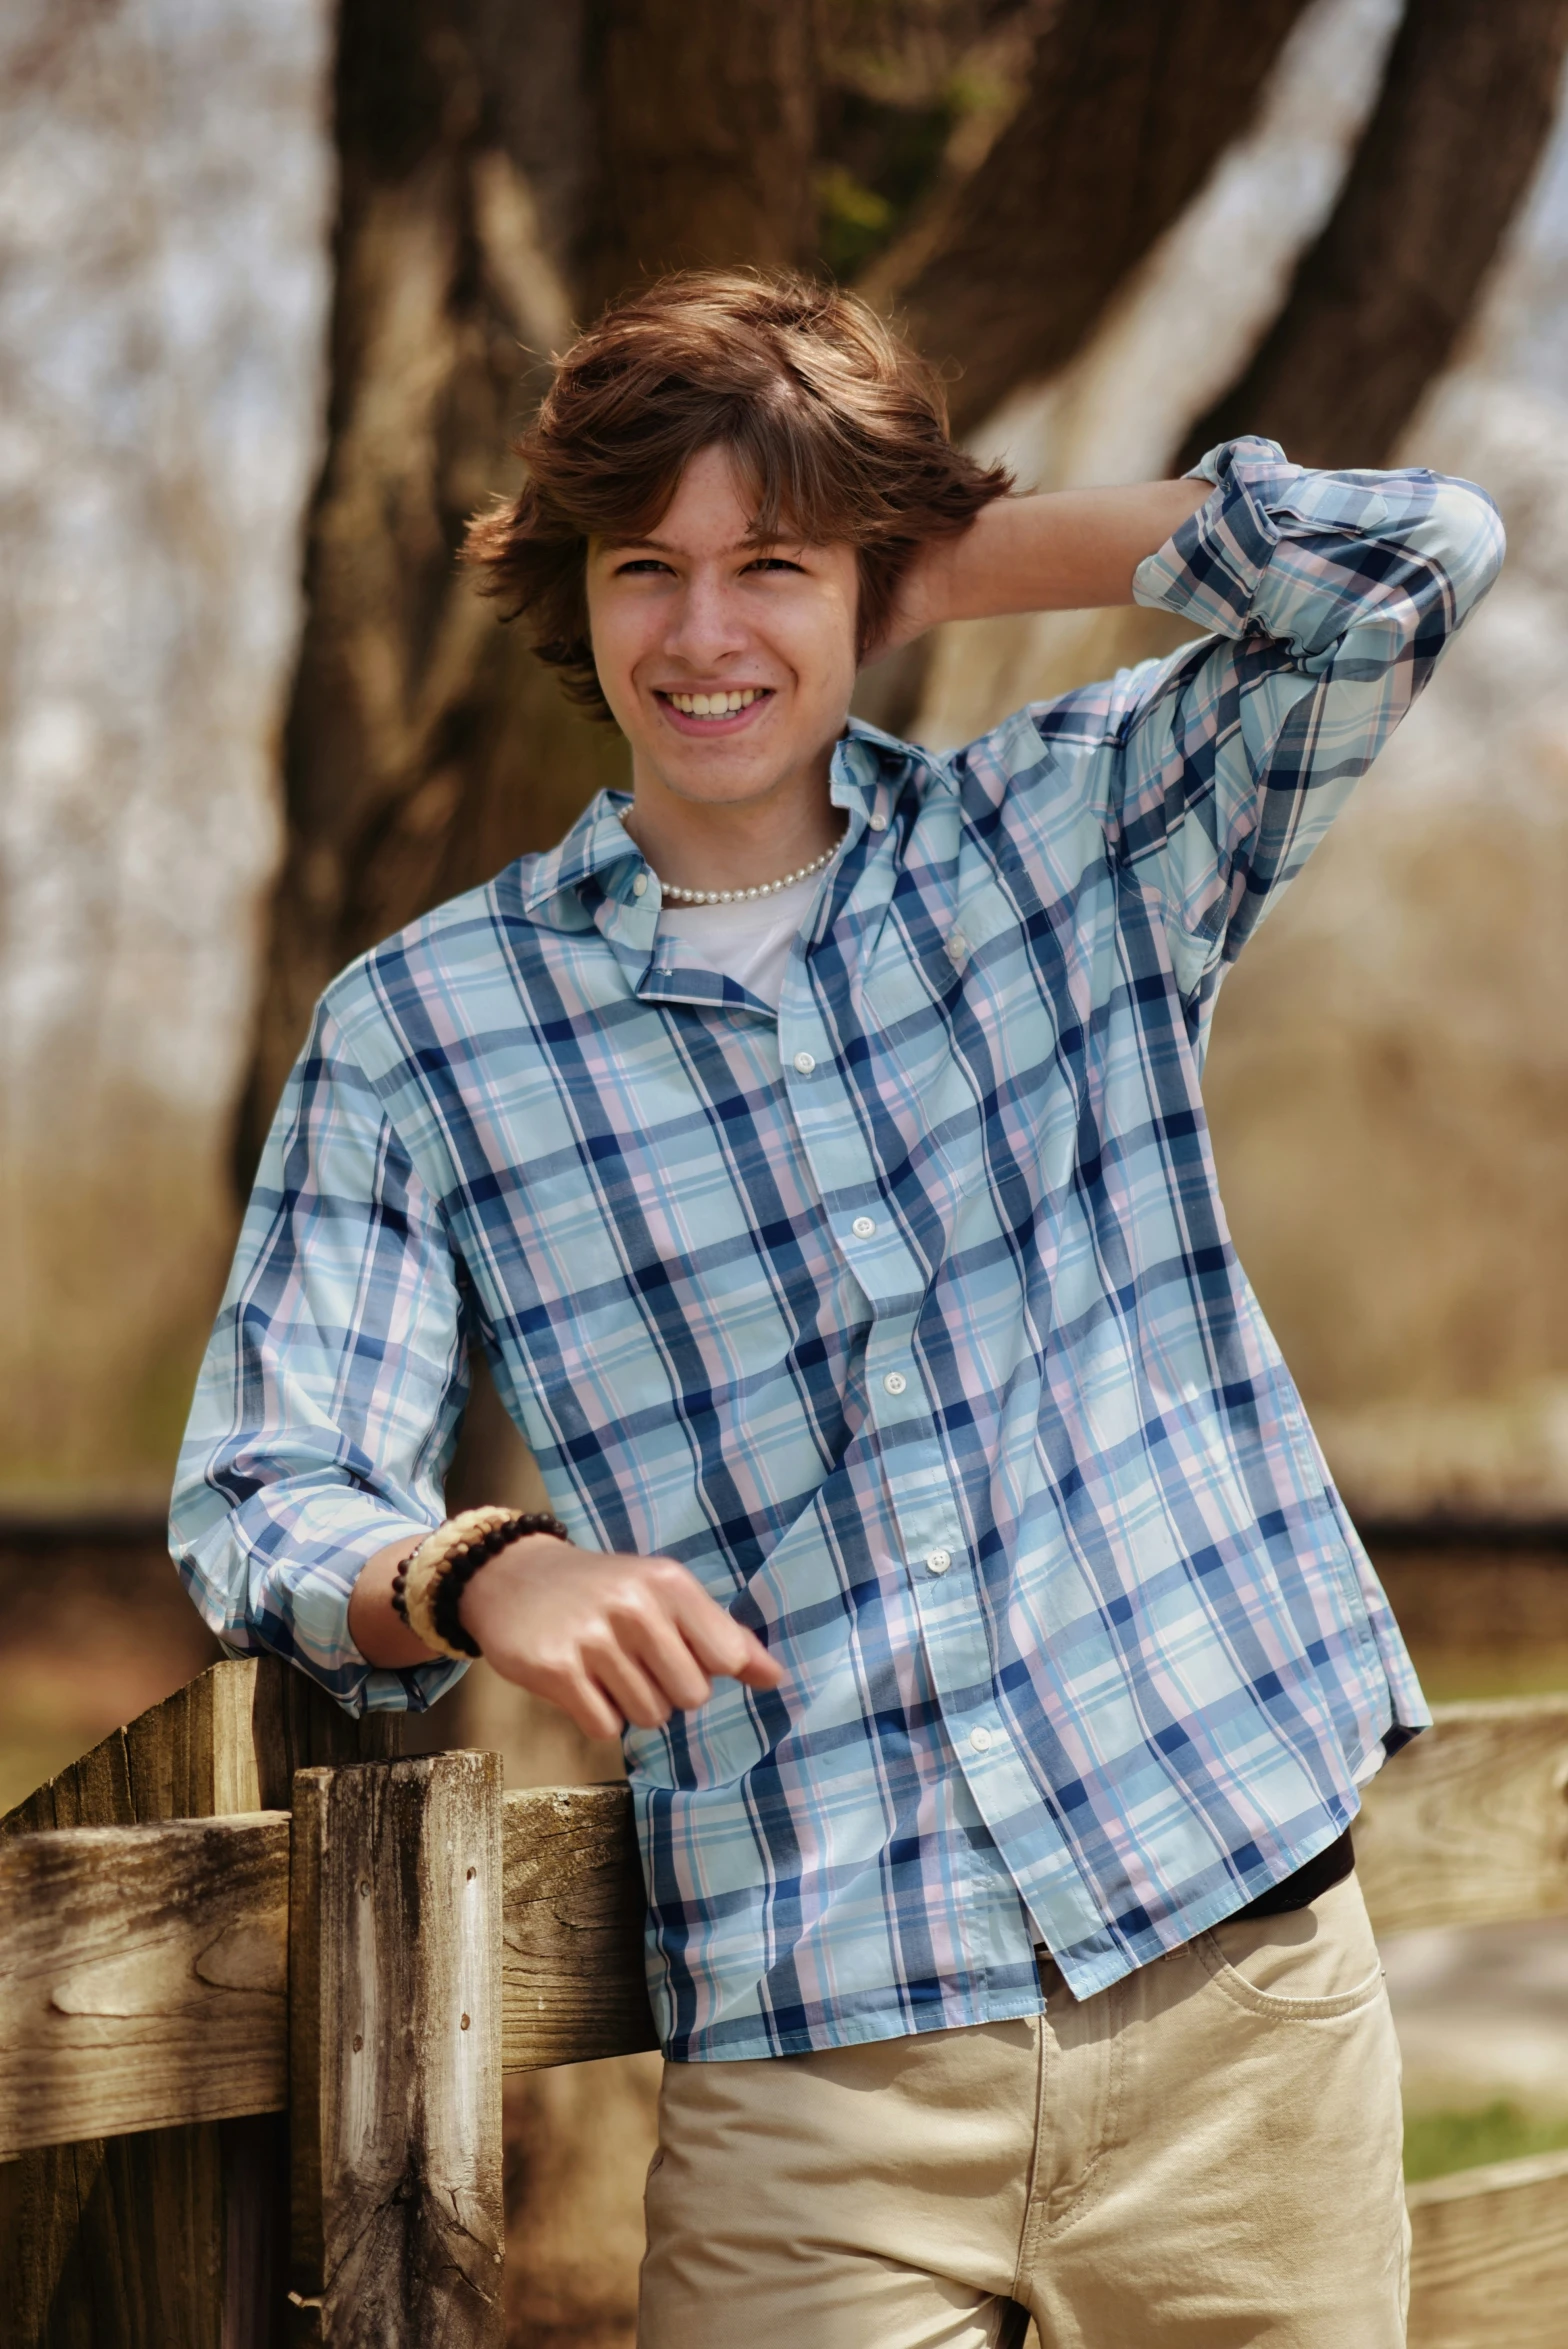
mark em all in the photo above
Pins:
pixel 868 765
pixel 598 846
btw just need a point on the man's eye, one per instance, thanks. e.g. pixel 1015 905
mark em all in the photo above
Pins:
pixel 639 563
pixel 773 563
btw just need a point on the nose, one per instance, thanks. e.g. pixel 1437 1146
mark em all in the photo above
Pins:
pixel 707 625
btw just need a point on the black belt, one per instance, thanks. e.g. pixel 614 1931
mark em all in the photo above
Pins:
pixel 1299 1891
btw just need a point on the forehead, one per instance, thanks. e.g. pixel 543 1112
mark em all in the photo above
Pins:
pixel 712 511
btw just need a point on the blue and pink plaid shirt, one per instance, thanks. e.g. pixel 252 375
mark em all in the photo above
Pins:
pixel 906 1317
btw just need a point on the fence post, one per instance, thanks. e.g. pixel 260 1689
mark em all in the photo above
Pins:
pixel 395 2054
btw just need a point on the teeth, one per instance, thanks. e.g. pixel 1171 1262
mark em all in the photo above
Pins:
pixel 717 705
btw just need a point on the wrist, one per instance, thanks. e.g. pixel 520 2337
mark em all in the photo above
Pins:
pixel 430 1585
pixel 503 1576
pixel 931 590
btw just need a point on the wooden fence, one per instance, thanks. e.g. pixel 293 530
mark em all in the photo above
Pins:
pixel 250 2062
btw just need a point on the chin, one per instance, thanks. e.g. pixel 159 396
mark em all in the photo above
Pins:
pixel 714 783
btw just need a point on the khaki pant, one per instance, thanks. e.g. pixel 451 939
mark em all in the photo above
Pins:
pixel 1205 2155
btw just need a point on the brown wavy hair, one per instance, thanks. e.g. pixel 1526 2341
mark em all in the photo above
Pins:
pixel 836 425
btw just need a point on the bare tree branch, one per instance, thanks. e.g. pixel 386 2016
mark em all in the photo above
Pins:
pixel 1129 105
pixel 1379 301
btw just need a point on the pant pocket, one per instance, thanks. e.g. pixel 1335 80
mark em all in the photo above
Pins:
pixel 1307 1965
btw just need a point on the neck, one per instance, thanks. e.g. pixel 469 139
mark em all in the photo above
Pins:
pixel 706 845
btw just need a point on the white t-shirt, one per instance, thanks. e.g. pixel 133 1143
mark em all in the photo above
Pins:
pixel 747 943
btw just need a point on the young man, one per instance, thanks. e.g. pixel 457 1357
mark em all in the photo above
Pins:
pixel 813 1143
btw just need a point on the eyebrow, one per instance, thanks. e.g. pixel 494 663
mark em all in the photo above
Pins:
pixel 660 546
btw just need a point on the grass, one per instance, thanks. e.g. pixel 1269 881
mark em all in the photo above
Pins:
pixel 1439 2142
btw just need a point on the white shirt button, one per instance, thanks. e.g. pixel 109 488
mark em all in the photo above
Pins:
pixel 862 1227
pixel 878 821
pixel 640 885
pixel 939 1561
pixel 957 946
pixel 895 1382
pixel 980 1741
pixel 805 1062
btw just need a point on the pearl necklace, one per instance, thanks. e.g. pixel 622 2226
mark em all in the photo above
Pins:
pixel 674 896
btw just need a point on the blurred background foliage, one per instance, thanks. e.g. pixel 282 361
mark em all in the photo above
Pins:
pixel 280 280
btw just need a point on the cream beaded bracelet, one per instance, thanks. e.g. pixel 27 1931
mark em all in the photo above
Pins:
pixel 430 1582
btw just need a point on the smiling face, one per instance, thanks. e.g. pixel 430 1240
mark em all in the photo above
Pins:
pixel 727 665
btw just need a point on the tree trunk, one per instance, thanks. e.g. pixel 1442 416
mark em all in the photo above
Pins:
pixel 707 126
pixel 1379 301
pixel 423 746
pixel 1128 107
pixel 504 167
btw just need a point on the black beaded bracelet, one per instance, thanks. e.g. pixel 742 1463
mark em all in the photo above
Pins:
pixel 399 1580
pixel 465 1562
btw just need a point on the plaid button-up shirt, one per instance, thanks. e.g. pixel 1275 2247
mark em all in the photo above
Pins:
pixel 906 1317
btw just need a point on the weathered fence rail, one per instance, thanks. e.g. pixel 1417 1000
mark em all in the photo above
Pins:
pixel 245 1905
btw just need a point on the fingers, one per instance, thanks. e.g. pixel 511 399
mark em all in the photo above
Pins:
pixel 659 1647
pixel 667 1640
pixel 622 1640
pixel 581 1699
pixel 720 1644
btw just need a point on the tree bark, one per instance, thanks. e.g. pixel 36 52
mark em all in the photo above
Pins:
pixel 707 127
pixel 1379 301
pixel 1128 107
pixel 503 167
pixel 423 746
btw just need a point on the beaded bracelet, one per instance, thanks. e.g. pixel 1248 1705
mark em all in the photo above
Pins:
pixel 429 1583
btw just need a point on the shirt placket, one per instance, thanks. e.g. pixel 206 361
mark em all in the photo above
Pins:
pixel 928 1515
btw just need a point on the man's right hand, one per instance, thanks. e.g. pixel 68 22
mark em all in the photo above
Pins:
pixel 608 1638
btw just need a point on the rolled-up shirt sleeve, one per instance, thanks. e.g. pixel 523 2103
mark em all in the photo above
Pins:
pixel 328 1403
pixel 1332 596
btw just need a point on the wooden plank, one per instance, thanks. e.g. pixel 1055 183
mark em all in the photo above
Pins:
pixel 137 2240
pixel 126 2254
pixel 573 1978
pixel 1469 1825
pixel 143 1977
pixel 295 1725
pixel 229 1741
pixel 1489 2257
pixel 120 2240
pixel 255 2221
pixel 190 1757
pixel 395 2054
